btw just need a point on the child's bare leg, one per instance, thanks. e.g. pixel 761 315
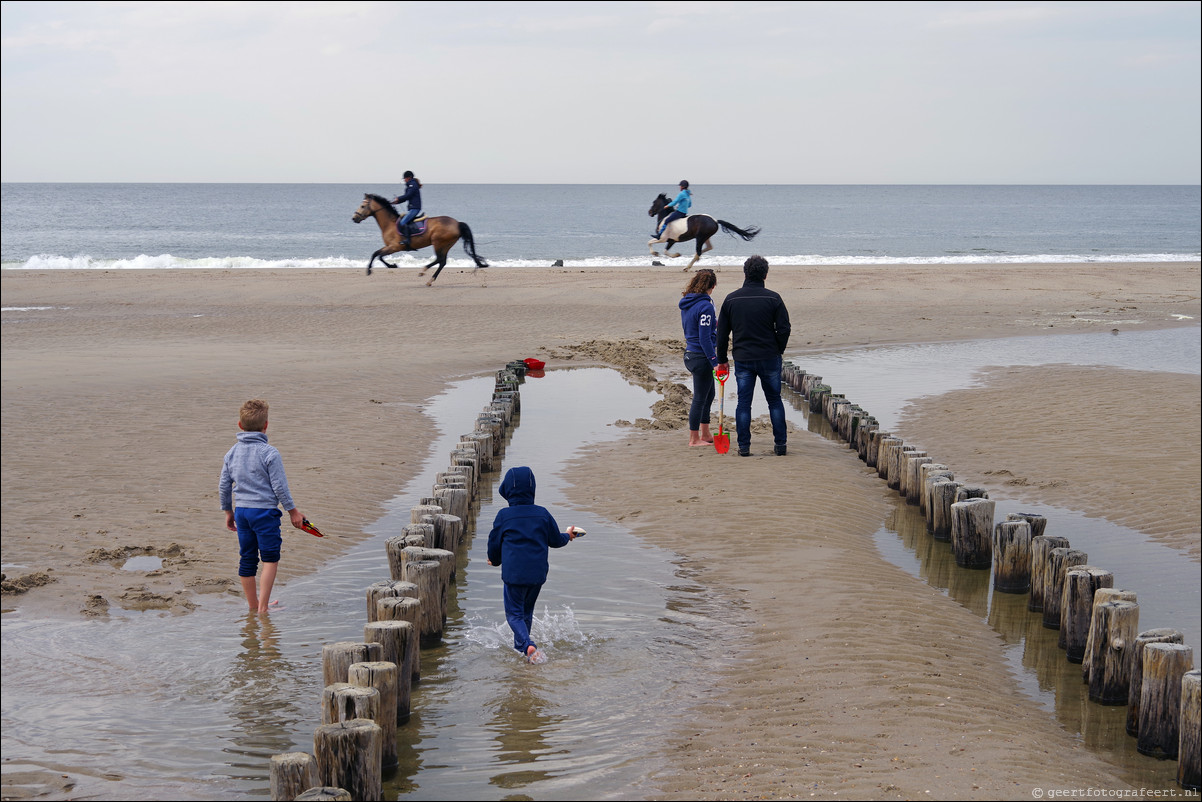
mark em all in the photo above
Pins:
pixel 266 580
pixel 252 597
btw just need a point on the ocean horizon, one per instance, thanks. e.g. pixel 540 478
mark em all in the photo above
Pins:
pixel 152 226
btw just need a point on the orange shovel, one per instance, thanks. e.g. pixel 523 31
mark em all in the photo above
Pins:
pixel 722 438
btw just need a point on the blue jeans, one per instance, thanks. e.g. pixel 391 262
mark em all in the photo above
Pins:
pixel 519 612
pixel 703 388
pixel 768 372
pixel 672 216
pixel 407 219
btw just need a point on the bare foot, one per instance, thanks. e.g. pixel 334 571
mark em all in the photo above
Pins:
pixel 534 656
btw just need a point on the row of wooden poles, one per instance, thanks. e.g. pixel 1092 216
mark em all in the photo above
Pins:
pixel 368 684
pixel 1151 672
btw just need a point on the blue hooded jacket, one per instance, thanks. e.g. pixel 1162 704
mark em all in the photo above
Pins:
pixel 523 532
pixel 699 320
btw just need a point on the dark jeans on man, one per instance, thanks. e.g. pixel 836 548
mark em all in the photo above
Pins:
pixel 768 372
pixel 703 388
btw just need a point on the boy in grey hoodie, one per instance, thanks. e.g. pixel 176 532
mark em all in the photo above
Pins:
pixel 254 471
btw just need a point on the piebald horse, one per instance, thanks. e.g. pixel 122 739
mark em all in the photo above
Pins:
pixel 441 232
pixel 699 227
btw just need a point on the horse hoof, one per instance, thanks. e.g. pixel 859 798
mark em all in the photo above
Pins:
pixel 430 283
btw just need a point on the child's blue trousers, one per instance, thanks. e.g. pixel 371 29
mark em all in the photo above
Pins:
pixel 519 611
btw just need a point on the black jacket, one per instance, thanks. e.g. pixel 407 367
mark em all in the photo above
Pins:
pixel 759 321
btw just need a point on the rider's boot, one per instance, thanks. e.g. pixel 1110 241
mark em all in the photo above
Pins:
pixel 405 243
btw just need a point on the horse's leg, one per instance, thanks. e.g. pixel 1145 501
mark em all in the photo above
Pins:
pixel 441 261
pixel 668 249
pixel 708 246
pixel 380 254
pixel 651 247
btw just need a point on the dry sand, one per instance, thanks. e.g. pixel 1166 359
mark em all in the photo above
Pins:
pixel 120 397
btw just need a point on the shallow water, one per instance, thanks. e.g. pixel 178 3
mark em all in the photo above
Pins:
pixel 1167 582
pixel 194 706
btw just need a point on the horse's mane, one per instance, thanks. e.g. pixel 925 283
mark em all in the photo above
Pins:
pixel 385 203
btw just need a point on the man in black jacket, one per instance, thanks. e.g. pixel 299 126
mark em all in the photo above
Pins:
pixel 760 323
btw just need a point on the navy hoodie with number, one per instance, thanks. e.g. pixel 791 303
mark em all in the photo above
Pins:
pixel 523 532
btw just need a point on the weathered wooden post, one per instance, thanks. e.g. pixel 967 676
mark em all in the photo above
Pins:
pixel 1080 584
pixel 1059 561
pixel 1012 557
pixel 382 678
pixel 1038 522
pixel 427 575
pixel 343 701
pixel 1189 748
pixel 874 447
pixel 337 658
pixel 396 637
pixel 348 756
pixel 405 609
pixel 384 589
pixel 1160 698
pixel 1041 555
pixel 897 458
pixel 446 562
pixel 972 532
pixel 292 774
pixel 1101 596
pixel 929 473
pixel 1109 666
pixel 913 483
pixel 325 794
pixel 448 532
pixel 1160 635
pixel 888 446
pixel 943 496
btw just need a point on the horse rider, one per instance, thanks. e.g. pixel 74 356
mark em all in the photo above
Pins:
pixel 679 206
pixel 413 194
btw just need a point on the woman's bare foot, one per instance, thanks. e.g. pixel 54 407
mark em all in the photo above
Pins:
pixel 534 656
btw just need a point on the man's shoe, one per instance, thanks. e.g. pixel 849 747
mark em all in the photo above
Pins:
pixel 780 450
pixel 744 452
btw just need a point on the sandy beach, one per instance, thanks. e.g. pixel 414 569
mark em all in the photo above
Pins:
pixel 121 391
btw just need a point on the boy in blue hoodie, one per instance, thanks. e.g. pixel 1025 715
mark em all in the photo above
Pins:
pixel 521 536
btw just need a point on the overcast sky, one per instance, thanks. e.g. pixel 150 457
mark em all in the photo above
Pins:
pixel 639 93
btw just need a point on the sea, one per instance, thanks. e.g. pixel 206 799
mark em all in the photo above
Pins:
pixel 225 226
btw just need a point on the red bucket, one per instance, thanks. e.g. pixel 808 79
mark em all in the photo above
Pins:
pixel 534 364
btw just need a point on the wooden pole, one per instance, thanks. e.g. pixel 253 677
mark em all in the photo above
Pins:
pixel 405 609
pixel 913 483
pixel 1059 561
pixel 348 756
pixel 337 658
pixel 972 532
pixel 1100 596
pixel 887 447
pixel 1041 555
pixel 382 678
pixel 1080 584
pixel 1012 557
pixel 943 496
pixel 397 638
pixel 1038 522
pixel 427 575
pixel 324 794
pixel 1109 667
pixel 1160 635
pixel 1160 698
pixel 928 473
pixel 448 531
pixel 292 774
pixel 384 589
pixel 1189 764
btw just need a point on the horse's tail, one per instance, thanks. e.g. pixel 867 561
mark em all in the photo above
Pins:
pixel 469 245
pixel 747 235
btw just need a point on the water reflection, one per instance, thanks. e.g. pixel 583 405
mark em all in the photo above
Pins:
pixel 1166 582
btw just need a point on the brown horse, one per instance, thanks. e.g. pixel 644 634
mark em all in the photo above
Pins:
pixel 441 232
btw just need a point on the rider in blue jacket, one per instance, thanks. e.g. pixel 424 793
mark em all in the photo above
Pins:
pixel 679 206
pixel 413 194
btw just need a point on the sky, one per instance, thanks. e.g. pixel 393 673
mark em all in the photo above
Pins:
pixel 597 93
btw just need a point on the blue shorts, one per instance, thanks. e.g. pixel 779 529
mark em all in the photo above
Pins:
pixel 258 538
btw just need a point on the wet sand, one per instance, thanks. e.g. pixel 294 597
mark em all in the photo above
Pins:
pixel 120 398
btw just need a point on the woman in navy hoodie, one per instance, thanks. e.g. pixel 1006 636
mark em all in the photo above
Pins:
pixel 521 536
pixel 699 320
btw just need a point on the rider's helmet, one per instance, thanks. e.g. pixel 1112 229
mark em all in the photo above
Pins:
pixel 684 184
